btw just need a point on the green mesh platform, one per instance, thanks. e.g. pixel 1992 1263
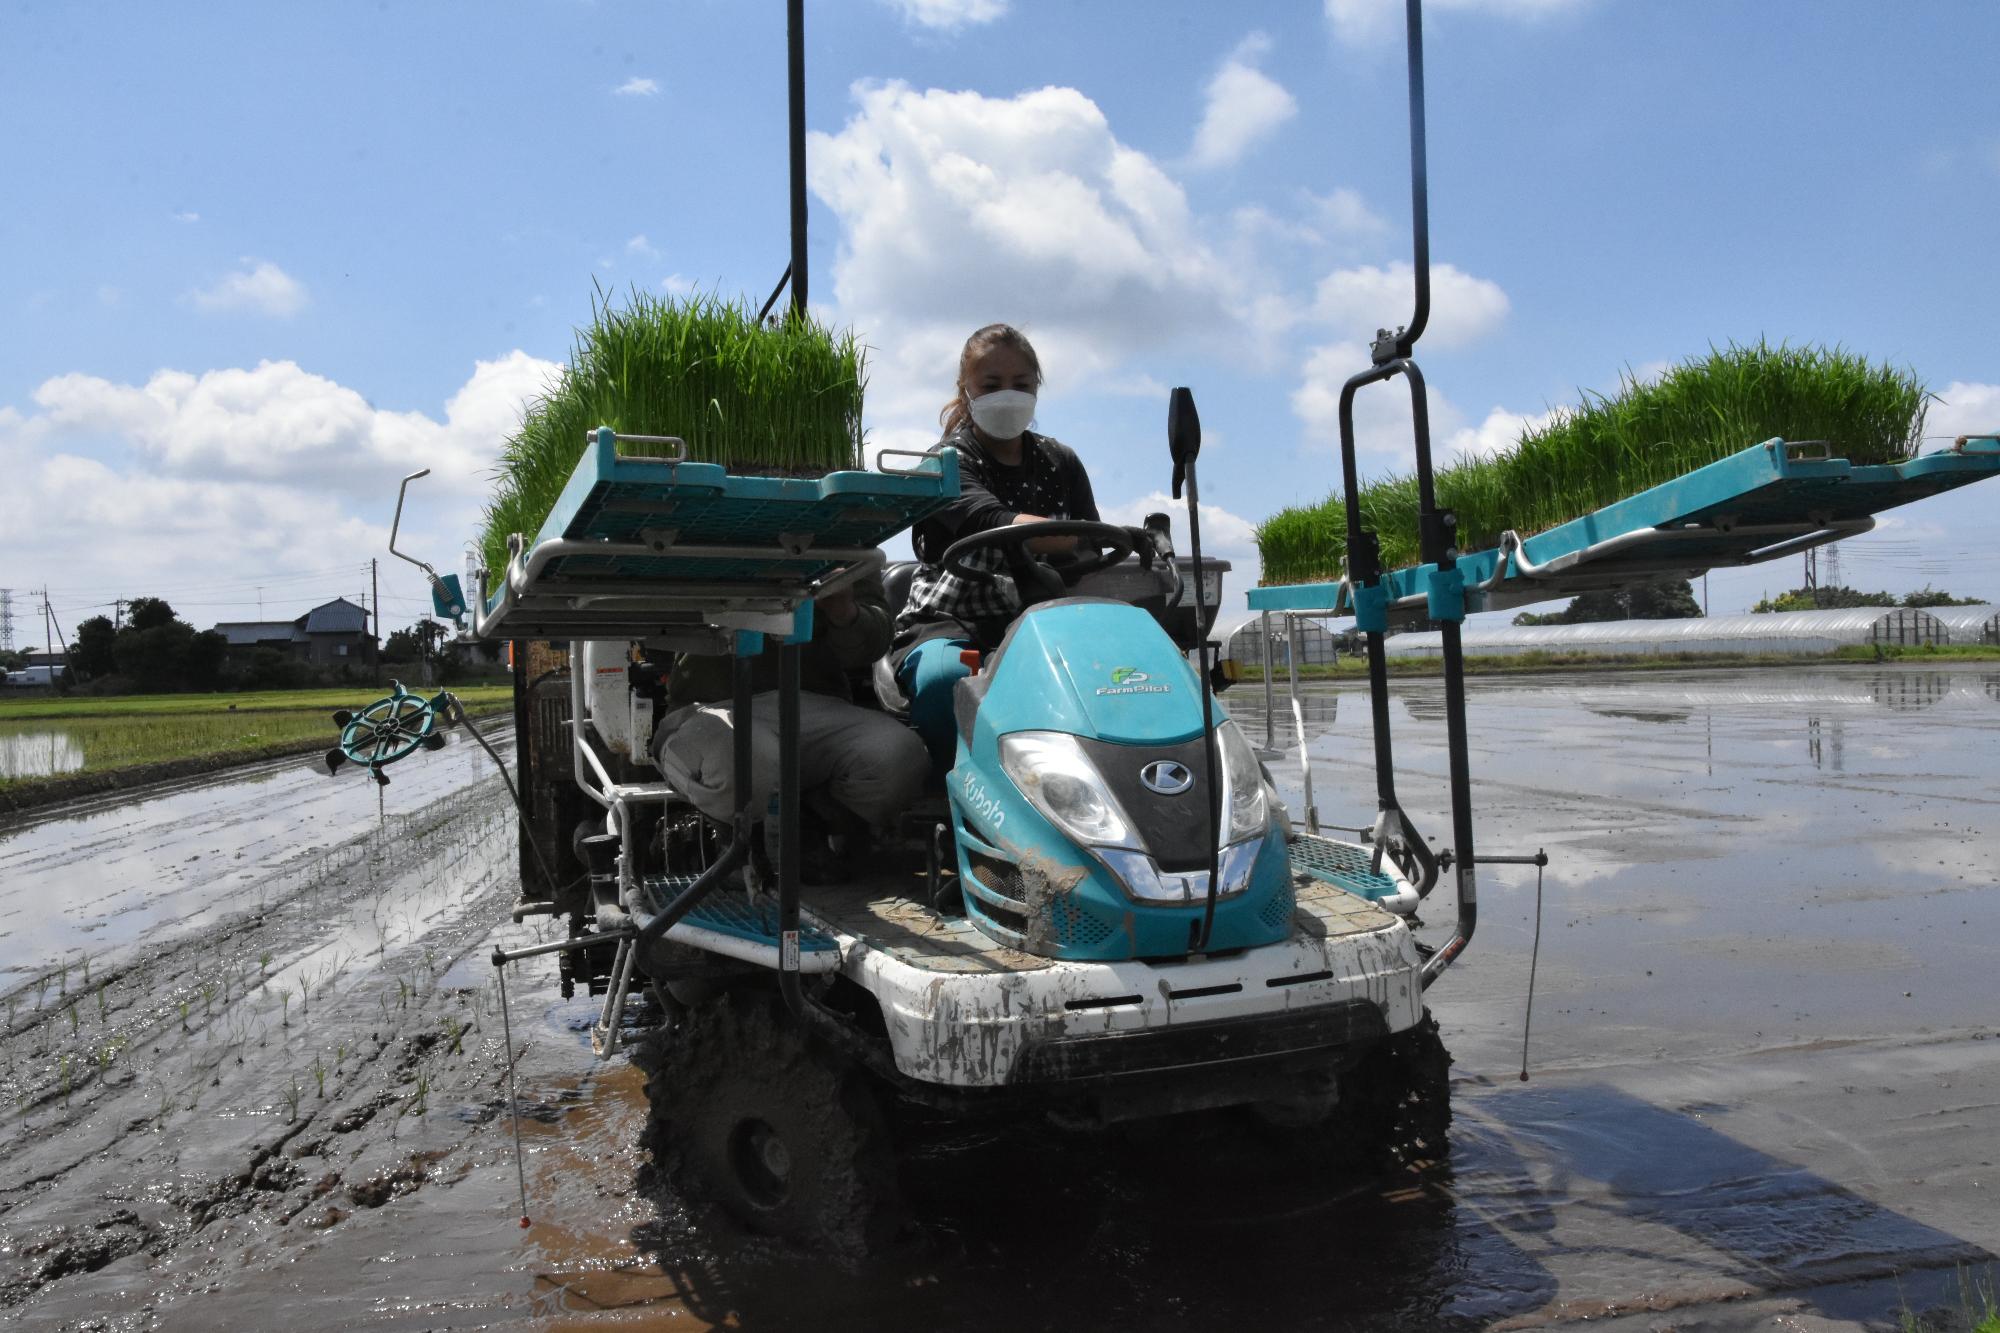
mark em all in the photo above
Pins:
pixel 725 913
pixel 1341 864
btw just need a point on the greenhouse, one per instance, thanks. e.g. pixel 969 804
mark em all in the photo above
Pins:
pixel 1780 632
pixel 1242 638
pixel 1970 624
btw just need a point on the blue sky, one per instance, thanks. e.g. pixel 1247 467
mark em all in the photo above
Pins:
pixel 265 259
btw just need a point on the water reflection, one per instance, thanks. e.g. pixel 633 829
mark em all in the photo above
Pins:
pixel 38 752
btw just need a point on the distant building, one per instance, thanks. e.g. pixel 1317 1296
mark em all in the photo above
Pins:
pixel 330 634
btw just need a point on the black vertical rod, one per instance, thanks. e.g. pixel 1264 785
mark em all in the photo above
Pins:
pixel 795 51
pixel 788 826
pixel 1215 811
pixel 1420 209
pixel 1366 571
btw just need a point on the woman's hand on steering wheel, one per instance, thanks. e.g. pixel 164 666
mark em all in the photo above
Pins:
pixel 1099 545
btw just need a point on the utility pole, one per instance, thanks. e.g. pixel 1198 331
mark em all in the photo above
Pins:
pixel 118 606
pixel 1812 574
pixel 48 636
pixel 1704 592
pixel 374 620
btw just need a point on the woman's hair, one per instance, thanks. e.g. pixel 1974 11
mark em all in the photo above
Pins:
pixel 957 413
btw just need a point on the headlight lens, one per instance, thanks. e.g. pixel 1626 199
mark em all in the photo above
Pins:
pixel 1242 784
pixel 1054 773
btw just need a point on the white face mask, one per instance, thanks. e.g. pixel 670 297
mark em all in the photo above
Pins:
pixel 1004 413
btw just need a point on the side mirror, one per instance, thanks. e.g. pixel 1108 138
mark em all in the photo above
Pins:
pixel 1183 434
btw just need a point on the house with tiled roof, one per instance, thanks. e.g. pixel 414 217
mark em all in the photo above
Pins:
pixel 331 634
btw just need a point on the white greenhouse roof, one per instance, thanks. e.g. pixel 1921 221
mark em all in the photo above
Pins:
pixel 1773 632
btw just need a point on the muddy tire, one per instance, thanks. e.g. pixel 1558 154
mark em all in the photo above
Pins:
pixel 1395 1106
pixel 744 1115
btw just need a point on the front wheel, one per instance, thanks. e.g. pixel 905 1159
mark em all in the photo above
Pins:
pixel 745 1115
pixel 1395 1105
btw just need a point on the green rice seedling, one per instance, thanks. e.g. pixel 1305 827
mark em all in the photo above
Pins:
pixel 184 1015
pixel 72 1018
pixel 782 397
pixel 13 1003
pixel 86 971
pixel 319 1075
pixel 284 1006
pixel 454 1032
pixel 292 1093
pixel 103 1006
pixel 1613 446
pixel 62 978
pixel 41 990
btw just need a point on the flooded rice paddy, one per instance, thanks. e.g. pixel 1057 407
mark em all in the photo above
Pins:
pixel 252 1071
pixel 53 747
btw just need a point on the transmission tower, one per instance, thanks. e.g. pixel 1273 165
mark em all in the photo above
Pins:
pixel 1833 579
pixel 6 620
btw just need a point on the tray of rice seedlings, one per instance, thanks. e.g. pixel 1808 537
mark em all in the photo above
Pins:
pixel 747 484
pixel 1651 482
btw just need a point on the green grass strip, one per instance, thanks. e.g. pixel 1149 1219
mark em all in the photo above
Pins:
pixel 779 397
pixel 257 701
pixel 1614 446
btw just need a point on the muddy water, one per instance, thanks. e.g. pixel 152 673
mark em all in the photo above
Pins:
pixel 1765 1068
pixel 38 751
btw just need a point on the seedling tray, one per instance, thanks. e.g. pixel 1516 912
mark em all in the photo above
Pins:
pixel 636 547
pixel 1770 500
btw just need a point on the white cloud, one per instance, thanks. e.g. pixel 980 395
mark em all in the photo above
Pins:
pixel 1962 408
pixel 956 209
pixel 637 87
pixel 1244 105
pixel 260 287
pixel 1358 301
pixel 1498 433
pixel 1345 213
pixel 187 216
pixel 158 486
pixel 1382 423
pixel 948 15
pixel 641 248
pixel 676 285
pixel 1362 22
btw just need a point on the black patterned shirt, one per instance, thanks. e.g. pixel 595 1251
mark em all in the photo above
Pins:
pixel 1050 481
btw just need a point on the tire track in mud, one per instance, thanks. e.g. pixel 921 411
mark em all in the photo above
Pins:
pixel 274 1072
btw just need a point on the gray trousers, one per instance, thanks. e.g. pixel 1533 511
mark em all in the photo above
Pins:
pixel 869 763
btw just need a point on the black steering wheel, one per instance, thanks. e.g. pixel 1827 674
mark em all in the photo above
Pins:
pixel 1100 545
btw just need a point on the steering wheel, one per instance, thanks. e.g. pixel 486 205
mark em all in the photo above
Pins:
pixel 1103 545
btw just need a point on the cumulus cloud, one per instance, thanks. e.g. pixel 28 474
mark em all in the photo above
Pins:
pixel 1364 22
pixel 1358 301
pixel 281 423
pixel 1499 432
pixel 1244 106
pixel 948 15
pixel 259 287
pixel 955 208
pixel 157 485
pixel 1963 408
pixel 637 87
pixel 641 248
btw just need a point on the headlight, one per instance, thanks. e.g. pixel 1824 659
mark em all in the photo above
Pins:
pixel 1242 785
pixel 1053 772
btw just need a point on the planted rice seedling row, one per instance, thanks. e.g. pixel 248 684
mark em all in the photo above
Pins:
pixel 1614 446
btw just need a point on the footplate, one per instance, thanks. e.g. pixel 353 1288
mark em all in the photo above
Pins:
pixel 723 923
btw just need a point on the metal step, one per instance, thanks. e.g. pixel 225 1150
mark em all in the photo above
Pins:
pixel 723 923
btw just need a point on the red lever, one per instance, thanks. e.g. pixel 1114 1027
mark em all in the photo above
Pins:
pixel 969 656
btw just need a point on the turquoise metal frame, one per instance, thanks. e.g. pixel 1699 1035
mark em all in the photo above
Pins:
pixel 1770 500
pixel 637 546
